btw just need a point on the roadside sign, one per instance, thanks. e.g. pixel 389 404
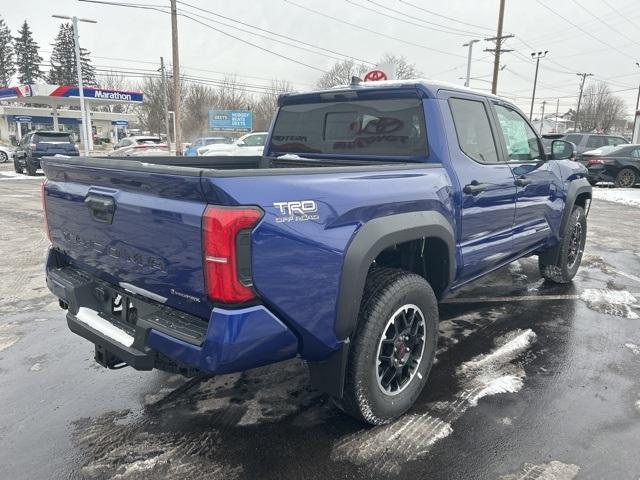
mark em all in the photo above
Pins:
pixel 23 118
pixel 230 120
pixel 122 123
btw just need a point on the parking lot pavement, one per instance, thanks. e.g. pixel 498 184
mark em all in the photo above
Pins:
pixel 532 381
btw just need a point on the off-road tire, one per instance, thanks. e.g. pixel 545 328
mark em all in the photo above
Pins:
pixel 16 166
pixel 31 170
pixel 571 249
pixel 626 178
pixel 386 292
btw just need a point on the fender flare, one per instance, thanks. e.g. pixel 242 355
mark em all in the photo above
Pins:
pixel 575 189
pixel 371 239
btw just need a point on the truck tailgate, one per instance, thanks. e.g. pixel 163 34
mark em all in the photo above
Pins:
pixel 138 230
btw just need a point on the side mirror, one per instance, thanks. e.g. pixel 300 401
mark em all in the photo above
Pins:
pixel 563 150
pixel 241 143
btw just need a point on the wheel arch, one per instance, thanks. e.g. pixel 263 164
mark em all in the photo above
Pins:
pixel 370 241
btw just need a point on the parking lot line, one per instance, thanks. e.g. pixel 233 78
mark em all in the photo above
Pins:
pixel 516 298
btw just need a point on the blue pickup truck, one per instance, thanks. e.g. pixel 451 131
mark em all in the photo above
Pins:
pixel 370 204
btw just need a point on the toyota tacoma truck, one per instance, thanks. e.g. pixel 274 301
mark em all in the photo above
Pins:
pixel 370 204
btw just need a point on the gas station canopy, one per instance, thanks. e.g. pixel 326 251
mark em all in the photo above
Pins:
pixel 67 95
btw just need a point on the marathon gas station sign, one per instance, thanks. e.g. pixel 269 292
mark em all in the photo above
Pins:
pixel 97 94
pixel 42 93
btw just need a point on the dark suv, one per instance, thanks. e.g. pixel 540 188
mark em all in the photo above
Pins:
pixel 35 145
pixel 586 141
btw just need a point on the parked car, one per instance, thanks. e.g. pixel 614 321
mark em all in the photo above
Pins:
pixel 6 153
pixel 40 143
pixel 128 145
pixel 621 165
pixel 250 144
pixel 192 149
pixel 335 246
pixel 149 150
pixel 587 141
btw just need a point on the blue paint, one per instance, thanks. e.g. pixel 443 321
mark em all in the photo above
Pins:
pixel 230 120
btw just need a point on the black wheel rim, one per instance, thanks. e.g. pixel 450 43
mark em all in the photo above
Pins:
pixel 575 245
pixel 400 349
pixel 626 178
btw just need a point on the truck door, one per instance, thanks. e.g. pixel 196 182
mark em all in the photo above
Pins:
pixel 538 181
pixel 486 185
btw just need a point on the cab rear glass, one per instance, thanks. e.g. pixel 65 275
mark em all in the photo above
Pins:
pixel 386 127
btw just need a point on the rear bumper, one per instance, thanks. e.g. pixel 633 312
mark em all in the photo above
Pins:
pixel 161 337
pixel 600 175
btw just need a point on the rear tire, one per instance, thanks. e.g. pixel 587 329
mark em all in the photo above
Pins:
pixel 16 166
pixel 31 170
pixel 626 178
pixel 3 157
pixel 571 249
pixel 393 347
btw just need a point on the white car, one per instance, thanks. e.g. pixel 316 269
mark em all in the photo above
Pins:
pixel 250 144
pixel 128 145
pixel 6 153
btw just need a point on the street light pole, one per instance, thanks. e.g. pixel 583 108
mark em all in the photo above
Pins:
pixel 165 102
pixel 470 45
pixel 635 116
pixel 537 56
pixel 85 131
pixel 544 102
pixel 584 78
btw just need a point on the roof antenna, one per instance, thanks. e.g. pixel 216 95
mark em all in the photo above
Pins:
pixel 355 81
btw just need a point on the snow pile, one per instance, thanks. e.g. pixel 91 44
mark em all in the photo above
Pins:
pixel 625 196
pixel 619 303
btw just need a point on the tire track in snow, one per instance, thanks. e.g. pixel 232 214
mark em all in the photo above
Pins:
pixel 385 448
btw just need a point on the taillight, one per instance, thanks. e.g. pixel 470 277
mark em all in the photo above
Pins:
pixel 595 161
pixel 43 197
pixel 226 244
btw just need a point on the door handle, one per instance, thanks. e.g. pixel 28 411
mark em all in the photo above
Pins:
pixel 101 208
pixel 523 181
pixel 474 188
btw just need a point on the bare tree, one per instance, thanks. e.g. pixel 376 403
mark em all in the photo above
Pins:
pixel 151 111
pixel 600 108
pixel 266 104
pixel 196 105
pixel 231 94
pixel 342 72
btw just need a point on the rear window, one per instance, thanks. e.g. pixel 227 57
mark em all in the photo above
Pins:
pixel 148 140
pixel 392 127
pixel 52 138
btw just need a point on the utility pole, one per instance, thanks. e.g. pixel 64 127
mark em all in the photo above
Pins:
pixel 470 45
pixel 636 138
pixel 85 130
pixel 165 102
pixel 544 102
pixel 584 78
pixel 537 56
pixel 557 111
pixel 177 134
pixel 498 50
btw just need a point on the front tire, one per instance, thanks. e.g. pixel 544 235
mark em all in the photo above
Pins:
pixel 3 157
pixel 16 166
pixel 31 169
pixel 393 347
pixel 571 249
pixel 626 178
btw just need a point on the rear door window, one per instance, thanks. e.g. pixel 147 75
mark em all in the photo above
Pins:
pixel 473 129
pixel 390 127
pixel 615 141
pixel 575 139
pixel 596 141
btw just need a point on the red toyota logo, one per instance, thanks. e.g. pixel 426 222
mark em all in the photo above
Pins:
pixel 375 75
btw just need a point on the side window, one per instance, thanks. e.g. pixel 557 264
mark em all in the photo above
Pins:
pixel 596 141
pixel 615 141
pixel 636 153
pixel 473 130
pixel 255 141
pixel 521 140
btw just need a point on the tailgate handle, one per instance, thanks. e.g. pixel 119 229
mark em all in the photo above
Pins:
pixel 101 208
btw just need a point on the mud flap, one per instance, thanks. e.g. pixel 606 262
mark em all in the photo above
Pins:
pixel 328 375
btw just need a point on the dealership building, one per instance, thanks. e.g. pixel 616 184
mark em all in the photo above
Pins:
pixel 56 107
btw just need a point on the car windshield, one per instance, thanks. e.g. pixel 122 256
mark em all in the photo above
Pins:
pixel 52 137
pixel 360 127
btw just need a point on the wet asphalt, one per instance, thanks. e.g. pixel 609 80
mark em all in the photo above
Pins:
pixel 532 381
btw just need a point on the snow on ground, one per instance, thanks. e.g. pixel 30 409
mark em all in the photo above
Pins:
pixel 625 196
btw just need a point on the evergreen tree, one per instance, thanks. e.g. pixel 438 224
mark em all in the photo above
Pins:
pixel 7 67
pixel 28 59
pixel 63 60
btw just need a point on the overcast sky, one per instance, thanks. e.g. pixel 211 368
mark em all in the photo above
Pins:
pixel 128 38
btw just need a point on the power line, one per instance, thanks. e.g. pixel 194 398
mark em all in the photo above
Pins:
pixel 155 8
pixel 377 12
pixel 606 24
pixel 624 17
pixel 590 34
pixel 445 17
pixel 369 30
